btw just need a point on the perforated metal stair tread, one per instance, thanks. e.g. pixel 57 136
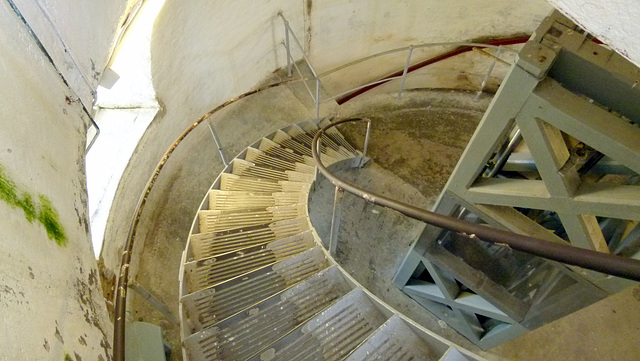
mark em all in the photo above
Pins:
pixel 394 341
pixel 248 332
pixel 332 134
pixel 233 182
pixel 331 139
pixel 277 151
pixel 331 335
pixel 213 304
pixel 221 220
pixel 302 137
pixel 244 168
pixel 263 159
pixel 287 141
pixel 225 200
pixel 213 270
pixel 212 243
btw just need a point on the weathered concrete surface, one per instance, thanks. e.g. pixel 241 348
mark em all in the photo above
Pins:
pixel 50 298
pixel 337 32
pixel 606 330
pixel 418 138
pixel 78 36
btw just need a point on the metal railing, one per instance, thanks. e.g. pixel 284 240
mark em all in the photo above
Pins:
pixel 57 70
pixel 291 62
pixel 602 262
pixel 460 47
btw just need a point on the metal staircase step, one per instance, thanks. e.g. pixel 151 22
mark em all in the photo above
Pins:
pixel 216 221
pixel 213 270
pixel 394 341
pixel 287 141
pixel 277 151
pixel 242 167
pixel 302 137
pixel 206 307
pixel 331 335
pixel 329 139
pixel 226 200
pixel 337 137
pixel 247 333
pixel 263 159
pixel 232 182
pixel 212 243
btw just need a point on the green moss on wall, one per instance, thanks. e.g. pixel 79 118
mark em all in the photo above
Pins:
pixel 44 212
pixel 48 216
pixel 28 206
pixel 7 188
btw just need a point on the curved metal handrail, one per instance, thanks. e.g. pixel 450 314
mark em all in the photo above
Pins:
pixel 399 77
pixel 419 46
pixel 602 262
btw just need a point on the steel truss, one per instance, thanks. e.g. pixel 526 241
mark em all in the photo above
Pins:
pixel 566 105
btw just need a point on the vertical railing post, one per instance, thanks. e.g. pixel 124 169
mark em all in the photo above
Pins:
pixel 363 160
pixel 335 220
pixel 486 77
pixel 288 46
pixel 317 98
pixel 404 72
pixel 218 144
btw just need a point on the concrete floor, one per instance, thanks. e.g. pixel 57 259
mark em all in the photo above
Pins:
pixel 419 140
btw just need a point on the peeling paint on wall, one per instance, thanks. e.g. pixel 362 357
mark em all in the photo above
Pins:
pixel 87 304
pixel 44 212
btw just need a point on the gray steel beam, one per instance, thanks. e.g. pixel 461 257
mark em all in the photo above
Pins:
pixel 603 200
pixel 492 129
pixel 575 115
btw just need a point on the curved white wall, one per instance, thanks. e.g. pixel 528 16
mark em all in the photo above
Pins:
pixel 206 52
pixel 50 297
pixel 78 35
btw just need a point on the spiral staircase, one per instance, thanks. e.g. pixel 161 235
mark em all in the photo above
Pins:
pixel 256 283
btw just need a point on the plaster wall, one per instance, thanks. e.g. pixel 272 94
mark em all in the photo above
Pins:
pixel 338 32
pixel 204 53
pixel 78 35
pixel 614 22
pixel 50 295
